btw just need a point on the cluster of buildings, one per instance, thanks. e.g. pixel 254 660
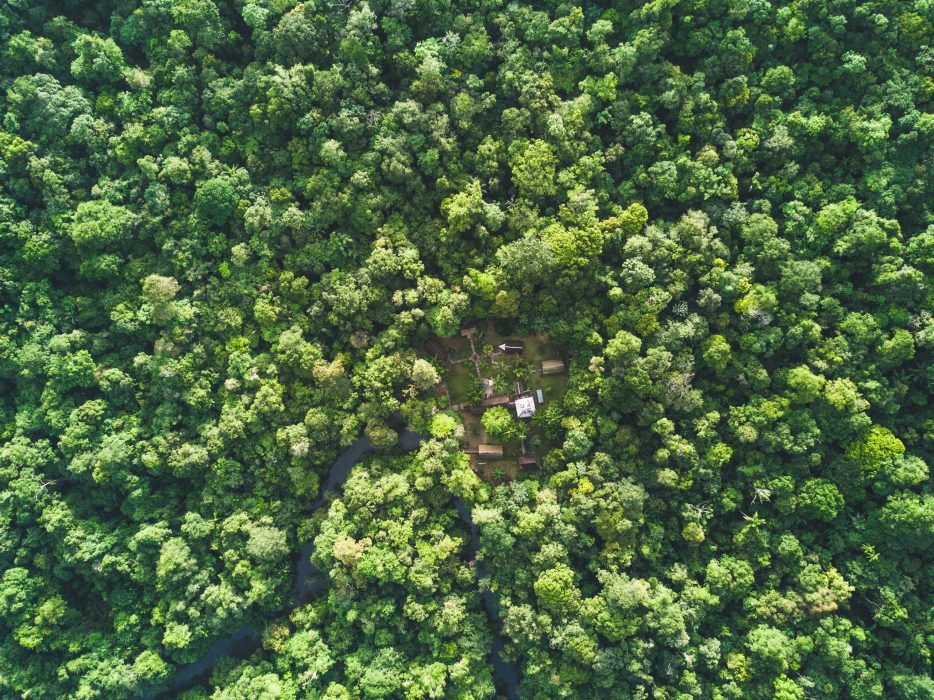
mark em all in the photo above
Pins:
pixel 523 402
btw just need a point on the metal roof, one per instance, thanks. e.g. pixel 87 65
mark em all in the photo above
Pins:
pixel 525 406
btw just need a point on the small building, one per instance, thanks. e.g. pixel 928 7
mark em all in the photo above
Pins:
pixel 490 450
pixel 541 396
pixel 488 388
pixel 552 367
pixel 469 332
pixel 512 347
pixel 528 461
pixel 525 407
pixel 495 401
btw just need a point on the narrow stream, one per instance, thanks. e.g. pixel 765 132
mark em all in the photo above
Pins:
pixel 309 582
pixel 505 673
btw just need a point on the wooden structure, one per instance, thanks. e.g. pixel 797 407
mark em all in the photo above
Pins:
pixel 552 367
pixel 491 451
pixel 495 401
pixel 528 461
pixel 512 347
pixel 469 332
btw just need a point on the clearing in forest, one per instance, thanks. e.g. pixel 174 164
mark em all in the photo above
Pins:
pixel 515 377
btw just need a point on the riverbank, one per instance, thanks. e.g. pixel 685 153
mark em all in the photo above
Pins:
pixel 309 583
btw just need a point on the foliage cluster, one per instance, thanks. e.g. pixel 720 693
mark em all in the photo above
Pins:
pixel 227 227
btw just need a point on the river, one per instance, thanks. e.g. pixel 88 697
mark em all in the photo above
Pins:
pixel 309 582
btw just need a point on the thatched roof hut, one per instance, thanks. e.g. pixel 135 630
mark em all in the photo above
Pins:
pixel 490 450
pixel 552 367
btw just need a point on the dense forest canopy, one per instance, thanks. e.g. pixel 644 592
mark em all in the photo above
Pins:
pixel 228 228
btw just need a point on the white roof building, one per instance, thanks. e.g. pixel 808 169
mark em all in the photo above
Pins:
pixel 525 407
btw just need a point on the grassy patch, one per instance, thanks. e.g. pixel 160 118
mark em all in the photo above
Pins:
pixel 461 380
pixel 457 347
pixel 497 471
pixel 474 434
pixel 553 386
pixel 538 348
